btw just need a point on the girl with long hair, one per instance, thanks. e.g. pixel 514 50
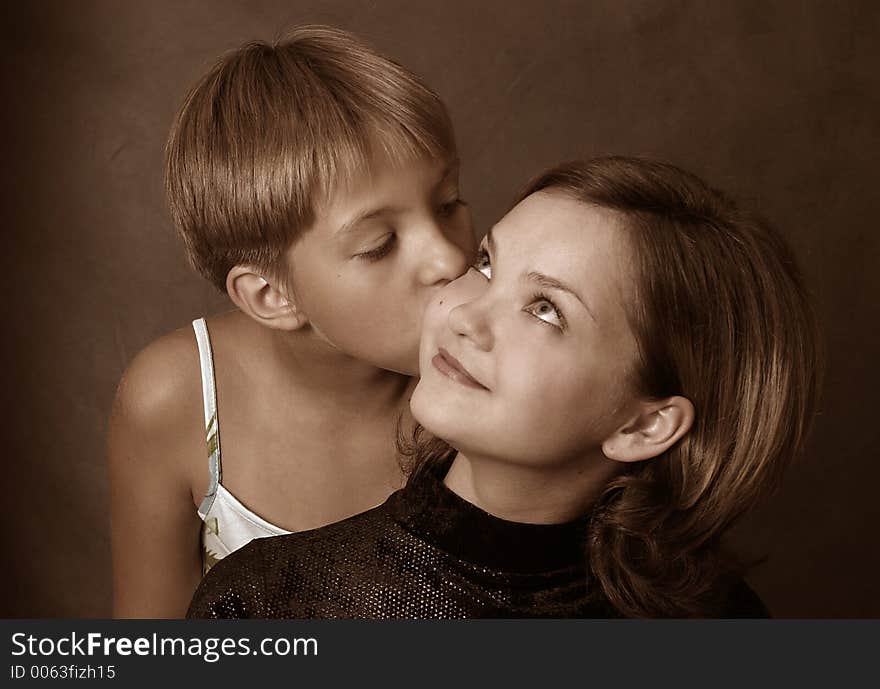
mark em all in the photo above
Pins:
pixel 628 367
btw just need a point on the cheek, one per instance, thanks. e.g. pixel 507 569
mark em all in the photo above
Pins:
pixel 367 311
pixel 468 287
pixel 434 318
pixel 357 295
pixel 338 301
pixel 556 404
pixel 536 388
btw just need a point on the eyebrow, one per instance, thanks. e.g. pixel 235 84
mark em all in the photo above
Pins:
pixel 541 279
pixel 370 213
pixel 366 214
pixel 554 284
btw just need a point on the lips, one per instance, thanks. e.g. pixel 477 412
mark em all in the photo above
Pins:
pixel 450 367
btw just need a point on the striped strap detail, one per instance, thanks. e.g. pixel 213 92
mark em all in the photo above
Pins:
pixel 209 399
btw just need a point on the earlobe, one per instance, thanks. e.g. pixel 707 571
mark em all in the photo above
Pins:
pixel 262 299
pixel 656 427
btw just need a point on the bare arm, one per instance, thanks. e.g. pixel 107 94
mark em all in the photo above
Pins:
pixel 154 430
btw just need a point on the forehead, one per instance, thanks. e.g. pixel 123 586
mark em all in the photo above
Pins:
pixel 382 188
pixel 580 244
pixel 554 226
pixel 384 177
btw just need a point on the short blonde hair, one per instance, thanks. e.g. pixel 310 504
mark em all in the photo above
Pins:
pixel 273 129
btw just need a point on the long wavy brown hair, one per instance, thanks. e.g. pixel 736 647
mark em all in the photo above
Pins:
pixel 722 317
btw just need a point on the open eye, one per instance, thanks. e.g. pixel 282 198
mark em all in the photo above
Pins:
pixel 380 251
pixel 545 311
pixel 482 264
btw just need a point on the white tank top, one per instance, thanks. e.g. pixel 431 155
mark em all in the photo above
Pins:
pixel 228 524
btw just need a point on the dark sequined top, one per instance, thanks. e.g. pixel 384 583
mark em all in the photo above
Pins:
pixel 424 553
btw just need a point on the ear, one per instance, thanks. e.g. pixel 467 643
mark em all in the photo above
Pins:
pixel 656 427
pixel 264 300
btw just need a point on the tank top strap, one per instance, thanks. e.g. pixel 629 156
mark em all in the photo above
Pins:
pixel 212 425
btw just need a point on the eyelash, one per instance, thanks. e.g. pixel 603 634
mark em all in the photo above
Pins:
pixel 448 209
pixel 379 252
pixel 538 296
pixel 483 255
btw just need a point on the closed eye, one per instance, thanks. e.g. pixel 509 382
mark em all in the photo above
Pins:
pixel 380 251
pixel 449 208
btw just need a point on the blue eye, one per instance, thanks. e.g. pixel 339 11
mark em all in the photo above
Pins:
pixel 380 251
pixel 482 264
pixel 546 311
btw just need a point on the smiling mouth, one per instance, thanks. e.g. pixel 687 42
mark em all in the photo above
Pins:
pixel 450 367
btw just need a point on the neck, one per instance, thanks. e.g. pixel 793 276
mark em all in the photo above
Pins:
pixel 532 495
pixel 305 364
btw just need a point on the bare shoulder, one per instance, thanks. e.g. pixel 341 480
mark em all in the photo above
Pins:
pixel 162 385
pixel 158 416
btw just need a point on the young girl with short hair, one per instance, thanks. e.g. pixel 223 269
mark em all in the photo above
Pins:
pixel 316 183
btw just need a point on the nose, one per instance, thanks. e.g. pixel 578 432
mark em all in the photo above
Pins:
pixel 443 261
pixel 471 320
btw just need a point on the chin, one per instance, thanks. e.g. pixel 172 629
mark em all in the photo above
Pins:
pixel 436 419
pixel 426 410
pixel 419 406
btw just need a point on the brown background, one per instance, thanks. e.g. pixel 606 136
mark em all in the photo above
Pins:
pixel 778 102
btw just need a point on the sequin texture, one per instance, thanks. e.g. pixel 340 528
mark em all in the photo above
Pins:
pixel 424 554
